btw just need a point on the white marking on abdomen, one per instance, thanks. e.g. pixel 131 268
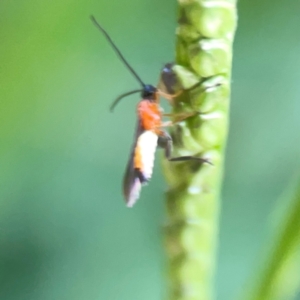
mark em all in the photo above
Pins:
pixel 146 144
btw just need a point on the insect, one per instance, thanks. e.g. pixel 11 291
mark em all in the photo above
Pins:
pixel 149 132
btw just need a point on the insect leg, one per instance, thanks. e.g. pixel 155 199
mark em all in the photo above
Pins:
pixel 165 142
pixel 178 117
pixel 169 96
pixel 167 124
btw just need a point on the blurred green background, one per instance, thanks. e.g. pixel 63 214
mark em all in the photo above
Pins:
pixel 65 232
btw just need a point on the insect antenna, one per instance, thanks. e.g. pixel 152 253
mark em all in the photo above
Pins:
pixel 113 105
pixel 118 52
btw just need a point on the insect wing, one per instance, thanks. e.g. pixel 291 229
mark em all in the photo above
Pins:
pixel 132 184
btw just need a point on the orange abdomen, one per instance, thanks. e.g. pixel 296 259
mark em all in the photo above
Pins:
pixel 150 115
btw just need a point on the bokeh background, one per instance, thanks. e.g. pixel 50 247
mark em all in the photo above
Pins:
pixel 65 232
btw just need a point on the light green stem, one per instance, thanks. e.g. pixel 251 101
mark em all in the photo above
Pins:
pixel 203 67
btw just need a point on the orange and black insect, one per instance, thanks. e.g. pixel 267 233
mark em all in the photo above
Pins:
pixel 149 133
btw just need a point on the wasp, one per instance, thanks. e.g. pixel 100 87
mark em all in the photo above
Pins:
pixel 149 133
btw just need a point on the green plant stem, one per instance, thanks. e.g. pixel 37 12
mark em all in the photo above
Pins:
pixel 202 70
pixel 279 275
